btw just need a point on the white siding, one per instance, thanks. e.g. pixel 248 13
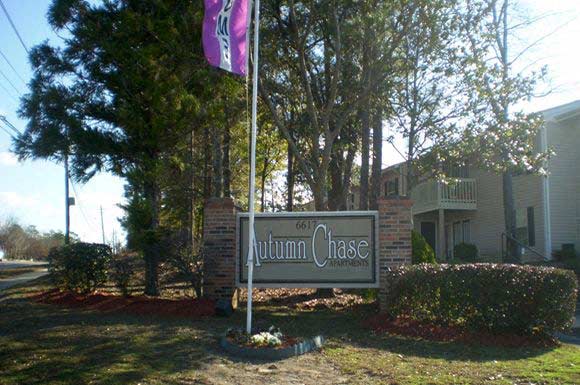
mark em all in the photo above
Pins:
pixel 564 180
pixel 487 222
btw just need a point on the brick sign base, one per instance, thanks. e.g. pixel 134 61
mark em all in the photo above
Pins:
pixel 219 238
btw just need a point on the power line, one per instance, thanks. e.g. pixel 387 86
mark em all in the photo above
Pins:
pixel 9 82
pixel 89 223
pixel 11 66
pixel 13 26
pixel 10 125
pixel 8 132
pixel 8 93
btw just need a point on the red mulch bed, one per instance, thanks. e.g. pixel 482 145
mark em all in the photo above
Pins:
pixel 411 328
pixel 138 305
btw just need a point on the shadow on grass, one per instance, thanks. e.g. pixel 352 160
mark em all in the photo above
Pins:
pixel 45 343
pixel 346 328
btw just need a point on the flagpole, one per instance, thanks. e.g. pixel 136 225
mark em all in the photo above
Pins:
pixel 251 234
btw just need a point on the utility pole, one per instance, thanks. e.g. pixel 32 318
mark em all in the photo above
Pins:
pixel 114 242
pixel 102 226
pixel 67 202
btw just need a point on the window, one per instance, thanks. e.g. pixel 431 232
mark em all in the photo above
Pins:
pixel 392 187
pixel 466 231
pixel 461 232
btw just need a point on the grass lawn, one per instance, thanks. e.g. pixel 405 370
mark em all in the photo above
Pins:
pixel 44 344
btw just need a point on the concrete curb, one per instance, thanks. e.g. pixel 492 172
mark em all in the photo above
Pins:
pixel 22 278
pixel 272 354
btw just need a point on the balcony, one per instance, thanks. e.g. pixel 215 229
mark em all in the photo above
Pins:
pixel 457 194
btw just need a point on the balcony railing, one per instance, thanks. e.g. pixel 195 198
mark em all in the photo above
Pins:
pixel 457 194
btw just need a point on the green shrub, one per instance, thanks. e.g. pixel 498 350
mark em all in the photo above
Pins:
pixel 572 264
pixel 493 297
pixel 422 251
pixel 120 272
pixel 79 267
pixel 466 252
pixel 567 252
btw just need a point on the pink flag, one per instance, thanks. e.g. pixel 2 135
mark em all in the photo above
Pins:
pixel 225 28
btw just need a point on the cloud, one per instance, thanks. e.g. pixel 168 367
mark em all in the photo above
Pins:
pixel 8 159
pixel 14 200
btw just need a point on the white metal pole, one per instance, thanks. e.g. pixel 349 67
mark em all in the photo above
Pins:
pixel 253 165
pixel 67 201
pixel 103 226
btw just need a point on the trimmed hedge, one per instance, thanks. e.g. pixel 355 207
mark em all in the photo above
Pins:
pixel 79 267
pixel 422 252
pixel 493 297
pixel 466 252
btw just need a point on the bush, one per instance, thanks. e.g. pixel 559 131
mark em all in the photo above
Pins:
pixel 422 251
pixel 492 297
pixel 568 252
pixel 79 267
pixel 120 272
pixel 466 252
pixel 572 264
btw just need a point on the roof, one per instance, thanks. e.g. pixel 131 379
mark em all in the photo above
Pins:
pixel 562 112
pixel 557 114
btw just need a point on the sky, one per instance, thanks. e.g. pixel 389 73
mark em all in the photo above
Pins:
pixel 33 191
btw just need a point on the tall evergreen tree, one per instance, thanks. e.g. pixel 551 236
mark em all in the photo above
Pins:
pixel 118 96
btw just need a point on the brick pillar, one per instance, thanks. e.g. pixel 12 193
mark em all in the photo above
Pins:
pixel 395 227
pixel 219 246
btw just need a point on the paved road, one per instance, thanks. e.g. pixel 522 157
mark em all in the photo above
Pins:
pixel 9 282
pixel 13 264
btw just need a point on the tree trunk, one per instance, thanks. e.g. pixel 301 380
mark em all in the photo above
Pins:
pixel 507 177
pixel 409 179
pixel 290 180
pixel 340 178
pixel 227 172
pixel 336 193
pixel 151 251
pixel 217 165
pixel 364 168
pixel 206 168
pixel 320 196
pixel 509 213
pixel 347 176
pixel 263 176
pixel 190 194
pixel 377 160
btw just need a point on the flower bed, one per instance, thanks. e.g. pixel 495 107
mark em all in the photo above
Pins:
pixel 138 305
pixel 267 344
pixel 271 338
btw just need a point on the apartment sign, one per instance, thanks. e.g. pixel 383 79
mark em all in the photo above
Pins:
pixel 310 249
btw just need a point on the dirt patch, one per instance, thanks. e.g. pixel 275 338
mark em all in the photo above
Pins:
pixel 139 305
pixel 407 327
pixel 312 368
